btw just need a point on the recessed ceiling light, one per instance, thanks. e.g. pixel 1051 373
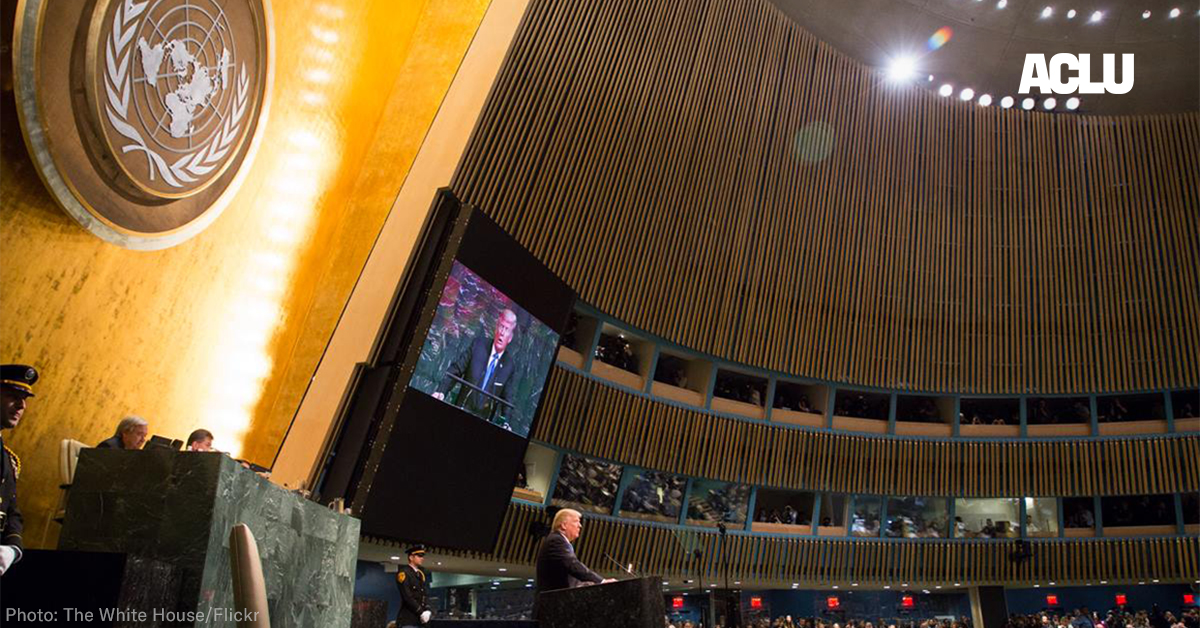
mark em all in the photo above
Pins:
pixel 835 586
pixel 1047 12
pixel 856 584
pixel 1001 4
pixel 1027 104
pixel 1146 14
pixel 985 100
pixel 1072 103
pixel 930 78
pixel 887 586
pixel 1049 104
pixel 1037 586
pixel 966 94
pixel 938 586
pixel 1104 582
pixel 946 90
pixel 1097 16
pixel 395 558
pixel 901 69
pixel 1175 13
pixel 503 569
pixel 1006 102
pixel 1051 584
pixel 1071 14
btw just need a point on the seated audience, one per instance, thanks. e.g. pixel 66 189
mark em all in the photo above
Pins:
pixel 131 433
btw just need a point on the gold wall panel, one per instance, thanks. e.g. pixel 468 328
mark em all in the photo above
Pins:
pixel 582 414
pixel 225 330
pixel 777 561
pixel 710 172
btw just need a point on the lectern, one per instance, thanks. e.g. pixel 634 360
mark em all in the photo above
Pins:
pixel 635 603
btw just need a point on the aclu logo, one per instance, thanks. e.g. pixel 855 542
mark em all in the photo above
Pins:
pixel 1049 77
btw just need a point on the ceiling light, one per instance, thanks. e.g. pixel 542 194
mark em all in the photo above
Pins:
pixel 1006 102
pixel 930 79
pixel 1097 16
pixel 1175 13
pixel 1037 586
pixel 1072 103
pixel 503 569
pixel 985 100
pixel 1146 14
pixel 946 90
pixel 1071 14
pixel 966 94
pixel 1027 104
pixel 1001 4
pixel 856 584
pixel 887 586
pixel 395 558
pixel 1047 12
pixel 1051 584
pixel 1104 582
pixel 938 586
pixel 835 586
pixel 1049 104
pixel 901 69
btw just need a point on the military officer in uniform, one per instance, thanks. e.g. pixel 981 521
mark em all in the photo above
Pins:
pixel 16 386
pixel 411 579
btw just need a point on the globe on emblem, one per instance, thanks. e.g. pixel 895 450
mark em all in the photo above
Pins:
pixel 143 116
pixel 172 82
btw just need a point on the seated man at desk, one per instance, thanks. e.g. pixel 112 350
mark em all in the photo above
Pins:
pixel 131 434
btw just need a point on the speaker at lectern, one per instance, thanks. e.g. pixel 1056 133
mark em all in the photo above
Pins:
pixel 633 603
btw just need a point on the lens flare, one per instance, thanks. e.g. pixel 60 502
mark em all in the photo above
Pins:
pixel 939 38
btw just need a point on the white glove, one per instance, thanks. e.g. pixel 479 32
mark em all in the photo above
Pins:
pixel 8 555
pixel 425 615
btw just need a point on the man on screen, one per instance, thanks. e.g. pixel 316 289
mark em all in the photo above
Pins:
pixel 487 367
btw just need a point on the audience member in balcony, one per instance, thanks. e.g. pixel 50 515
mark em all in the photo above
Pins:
pixel 131 434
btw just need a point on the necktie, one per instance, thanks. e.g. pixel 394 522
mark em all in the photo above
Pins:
pixel 487 376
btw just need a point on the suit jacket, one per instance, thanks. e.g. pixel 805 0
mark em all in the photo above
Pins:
pixel 558 567
pixel 12 523
pixel 112 442
pixel 411 583
pixel 471 365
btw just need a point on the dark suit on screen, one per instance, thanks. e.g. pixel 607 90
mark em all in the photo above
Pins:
pixel 471 365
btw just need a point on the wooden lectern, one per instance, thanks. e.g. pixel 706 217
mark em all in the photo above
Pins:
pixel 634 603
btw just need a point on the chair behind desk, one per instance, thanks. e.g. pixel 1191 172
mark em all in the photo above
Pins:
pixel 68 460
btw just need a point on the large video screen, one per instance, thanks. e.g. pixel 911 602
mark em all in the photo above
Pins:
pixel 485 354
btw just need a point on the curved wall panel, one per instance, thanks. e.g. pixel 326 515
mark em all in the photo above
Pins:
pixel 775 560
pixel 587 416
pixel 710 172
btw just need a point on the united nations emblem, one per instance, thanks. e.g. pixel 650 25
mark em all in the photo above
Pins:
pixel 143 131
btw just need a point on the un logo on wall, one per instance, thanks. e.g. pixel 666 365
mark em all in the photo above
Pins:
pixel 143 116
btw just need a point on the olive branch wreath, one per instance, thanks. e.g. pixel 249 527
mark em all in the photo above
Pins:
pixel 190 166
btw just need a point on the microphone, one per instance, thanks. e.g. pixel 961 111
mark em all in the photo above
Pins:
pixel 628 570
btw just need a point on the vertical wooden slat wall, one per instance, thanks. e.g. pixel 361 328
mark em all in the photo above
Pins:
pixel 584 415
pixel 708 171
pixel 666 552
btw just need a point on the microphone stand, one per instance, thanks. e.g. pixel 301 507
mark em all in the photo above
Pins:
pixel 732 615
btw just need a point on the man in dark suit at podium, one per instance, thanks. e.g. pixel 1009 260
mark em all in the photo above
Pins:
pixel 557 565
pixel 486 365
